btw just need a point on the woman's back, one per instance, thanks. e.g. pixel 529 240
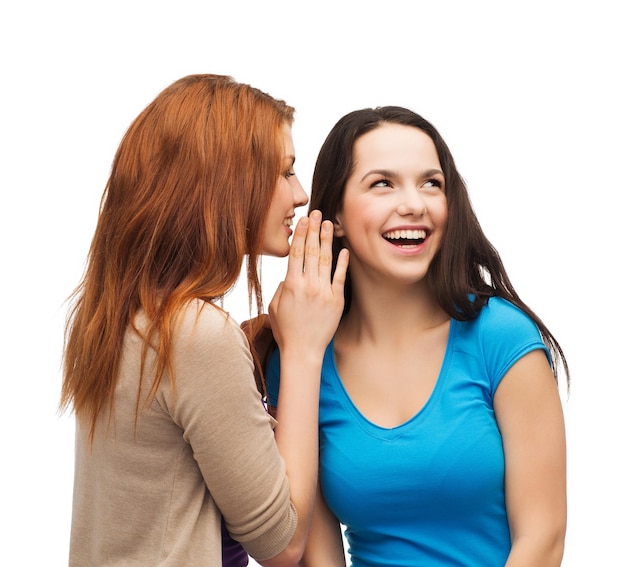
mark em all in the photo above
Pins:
pixel 141 490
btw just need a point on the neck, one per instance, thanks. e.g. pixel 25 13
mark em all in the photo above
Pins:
pixel 384 314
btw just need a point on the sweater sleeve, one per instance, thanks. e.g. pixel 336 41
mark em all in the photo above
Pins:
pixel 218 407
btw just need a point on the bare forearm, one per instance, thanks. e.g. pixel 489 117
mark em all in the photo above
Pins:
pixel 324 546
pixel 296 434
pixel 304 314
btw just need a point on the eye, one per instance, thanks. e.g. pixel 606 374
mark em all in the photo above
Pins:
pixel 289 173
pixel 380 183
pixel 433 184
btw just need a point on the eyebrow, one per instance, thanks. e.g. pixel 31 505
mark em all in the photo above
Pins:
pixel 390 173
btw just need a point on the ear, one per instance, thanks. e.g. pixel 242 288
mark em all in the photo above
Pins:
pixel 338 232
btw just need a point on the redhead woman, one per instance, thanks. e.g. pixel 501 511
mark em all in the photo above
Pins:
pixel 172 438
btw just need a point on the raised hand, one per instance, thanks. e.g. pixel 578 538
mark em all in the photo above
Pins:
pixel 304 313
pixel 308 304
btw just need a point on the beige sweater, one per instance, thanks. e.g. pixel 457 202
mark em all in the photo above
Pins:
pixel 154 496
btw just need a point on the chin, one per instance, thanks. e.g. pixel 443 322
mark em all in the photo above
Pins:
pixel 277 251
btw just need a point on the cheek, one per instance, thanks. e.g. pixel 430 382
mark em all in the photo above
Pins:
pixel 444 218
pixel 349 226
pixel 281 195
pixel 440 211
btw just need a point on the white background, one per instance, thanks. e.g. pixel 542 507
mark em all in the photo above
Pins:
pixel 529 96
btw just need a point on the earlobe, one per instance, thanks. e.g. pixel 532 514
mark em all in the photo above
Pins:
pixel 338 231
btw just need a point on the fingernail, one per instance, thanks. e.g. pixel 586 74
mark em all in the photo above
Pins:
pixel 316 215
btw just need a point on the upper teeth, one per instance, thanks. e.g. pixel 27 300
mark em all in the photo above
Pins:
pixel 288 222
pixel 410 234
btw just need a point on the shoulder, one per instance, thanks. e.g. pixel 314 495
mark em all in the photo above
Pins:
pixel 211 359
pixel 500 319
pixel 501 311
pixel 198 314
pixel 500 335
pixel 208 345
pixel 202 325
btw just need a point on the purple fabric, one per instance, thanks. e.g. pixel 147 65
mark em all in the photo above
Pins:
pixel 233 553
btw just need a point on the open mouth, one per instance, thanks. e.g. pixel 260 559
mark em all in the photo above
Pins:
pixel 405 237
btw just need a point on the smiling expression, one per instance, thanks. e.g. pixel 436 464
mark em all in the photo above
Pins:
pixel 394 209
pixel 288 195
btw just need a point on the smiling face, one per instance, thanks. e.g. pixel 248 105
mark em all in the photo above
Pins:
pixel 288 195
pixel 394 208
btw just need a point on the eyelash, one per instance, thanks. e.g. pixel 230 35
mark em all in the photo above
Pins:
pixel 289 174
pixel 435 182
pixel 379 182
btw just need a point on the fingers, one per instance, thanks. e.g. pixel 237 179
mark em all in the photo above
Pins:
pixel 312 245
pixel 325 262
pixel 304 254
pixel 309 292
pixel 339 278
pixel 295 265
pixel 312 251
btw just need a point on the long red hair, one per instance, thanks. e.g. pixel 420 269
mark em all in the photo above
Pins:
pixel 186 201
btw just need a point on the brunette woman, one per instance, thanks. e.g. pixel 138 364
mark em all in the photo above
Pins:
pixel 442 439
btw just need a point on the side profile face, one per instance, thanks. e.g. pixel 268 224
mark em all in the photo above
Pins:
pixel 394 209
pixel 288 195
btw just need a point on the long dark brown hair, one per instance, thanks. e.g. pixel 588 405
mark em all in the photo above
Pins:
pixel 467 270
pixel 188 195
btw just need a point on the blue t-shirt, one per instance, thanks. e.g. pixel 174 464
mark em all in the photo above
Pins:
pixel 429 492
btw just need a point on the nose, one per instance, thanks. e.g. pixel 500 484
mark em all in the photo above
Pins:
pixel 300 198
pixel 411 202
